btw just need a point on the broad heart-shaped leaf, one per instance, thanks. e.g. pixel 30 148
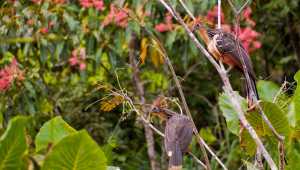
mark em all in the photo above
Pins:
pixel 294 112
pixel 250 166
pixel 267 90
pixel 13 144
pixel 52 132
pixel 78 151
pixel 230 113
pixel 277 118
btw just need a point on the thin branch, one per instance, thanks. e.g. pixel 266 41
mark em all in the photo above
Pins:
pixel 227 87
pixel 177 83
pixel 238 11
pixel 219 14
pixel 187 10
pixel 140 91
pixel 154 128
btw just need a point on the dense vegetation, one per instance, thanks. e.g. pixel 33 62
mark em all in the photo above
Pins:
pixel 63 62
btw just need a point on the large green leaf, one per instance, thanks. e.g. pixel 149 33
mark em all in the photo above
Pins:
pixel 277 118
pixel 13 144
pixel 52 132
pixel 267 90
pixel 77 151
pixel 294 112
pixel 230 113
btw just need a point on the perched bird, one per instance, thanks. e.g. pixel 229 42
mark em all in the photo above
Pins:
pixel 228 49
pixel 178 136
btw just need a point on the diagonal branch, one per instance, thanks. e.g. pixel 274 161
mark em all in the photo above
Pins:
pixel 140 91
pixel 227 86
pixel 154 128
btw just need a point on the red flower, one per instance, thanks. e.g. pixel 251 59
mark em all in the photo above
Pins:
pixel 59 1
pixel 98 4
pixel 117 16
pixel 166 26
pixel 9 74
pixel 77 58
pixel 44 30
pixel 36 1
pixel 86 3
pixel 212 15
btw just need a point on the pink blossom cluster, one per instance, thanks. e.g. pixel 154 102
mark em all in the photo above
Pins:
pixel 165 26
pixel 9 74
pixel 77 58
pixel 247 35
pixel 116 16
pixel 98 4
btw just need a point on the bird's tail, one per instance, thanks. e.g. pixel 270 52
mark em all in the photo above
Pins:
pixel 251 89
pixel 175 155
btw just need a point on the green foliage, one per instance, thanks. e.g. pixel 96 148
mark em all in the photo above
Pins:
pixel 43 36
pixel 77 151
pixel 230 113
pixel 13 144
pixel 267 90
pixel 51 133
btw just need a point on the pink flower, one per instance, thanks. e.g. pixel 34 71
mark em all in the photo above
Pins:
pixel 162 27
pixel 44 30
pixel 166 26
pixel 36 1
pixel 257 44
pixel 9 74
pixel 82 66
pixel 77 58
pixel 98 4
pixel 59 1
pixel 212 15
pixel 73 61
pixel 86 3
pixel 117 16
pixel 247 12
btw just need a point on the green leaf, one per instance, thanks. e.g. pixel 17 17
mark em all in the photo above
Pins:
pixel 250 166
pixel 207 135
pixel 294 112
pixel 13 144
pixel 267 90
pixel 77 151
pixel 277 118
pixel 230 113
pixel 52 132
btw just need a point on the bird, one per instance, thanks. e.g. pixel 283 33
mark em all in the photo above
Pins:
pixel 178 136
pixel 228 49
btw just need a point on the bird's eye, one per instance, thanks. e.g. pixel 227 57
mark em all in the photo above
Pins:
pixel 155 110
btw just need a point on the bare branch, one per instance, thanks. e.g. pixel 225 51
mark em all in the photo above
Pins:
pixel 154 128
pixel 187 10
pixel 219 14
pixel 227 87
pixel 140 91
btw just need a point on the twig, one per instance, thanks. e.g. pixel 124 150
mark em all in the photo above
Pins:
pixel 235 10
pixel 200 141
pixel 177 83
pixel 279 91
pixel 140 91
pixel 219 14
pixel 187 10
pixel 227 87
pixel 154 128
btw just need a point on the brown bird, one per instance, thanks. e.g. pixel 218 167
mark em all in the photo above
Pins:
pixel 226 48
pixel 178 136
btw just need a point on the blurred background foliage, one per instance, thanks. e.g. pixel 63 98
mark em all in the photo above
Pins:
pixel 60 57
